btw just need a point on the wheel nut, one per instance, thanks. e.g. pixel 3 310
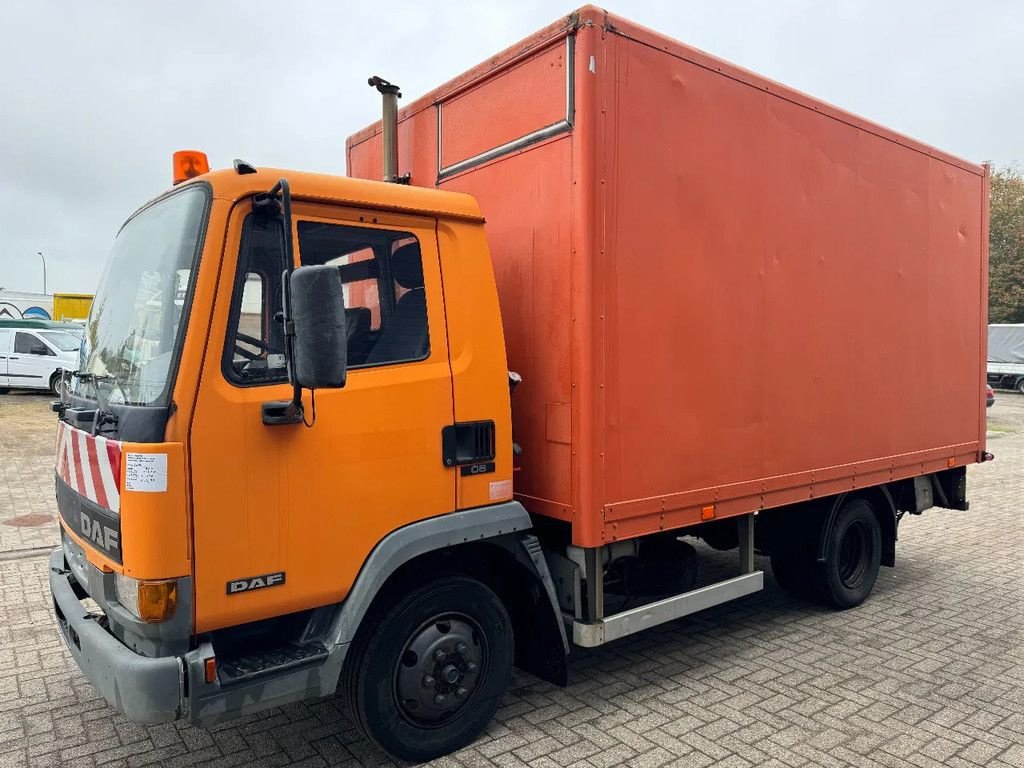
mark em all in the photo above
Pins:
pixel 440 655
pixel 460 692
pixel 461 648
pixel 428 681
pixel 439 699
pixel 472 667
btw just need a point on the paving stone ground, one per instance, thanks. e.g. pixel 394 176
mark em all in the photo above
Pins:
pixel 929 672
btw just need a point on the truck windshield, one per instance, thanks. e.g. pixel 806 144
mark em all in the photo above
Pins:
pixel 132 333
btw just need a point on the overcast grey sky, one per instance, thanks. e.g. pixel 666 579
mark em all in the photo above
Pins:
pixel 95 96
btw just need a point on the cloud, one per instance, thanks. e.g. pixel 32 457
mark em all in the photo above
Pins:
pixel 95 97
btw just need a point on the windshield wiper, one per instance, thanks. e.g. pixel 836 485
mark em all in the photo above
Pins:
pixel 97 378
pixel 105 419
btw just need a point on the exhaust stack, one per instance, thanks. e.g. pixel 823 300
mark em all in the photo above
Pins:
pixel 389 128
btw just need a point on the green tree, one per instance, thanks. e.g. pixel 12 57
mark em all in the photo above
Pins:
pixel 1006 247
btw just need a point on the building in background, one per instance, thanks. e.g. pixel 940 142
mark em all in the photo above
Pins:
pixel 71 307
pixel 15 305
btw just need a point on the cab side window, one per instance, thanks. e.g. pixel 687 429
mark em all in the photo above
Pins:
pixel 382 276
pixel 27 344
pixel 254 353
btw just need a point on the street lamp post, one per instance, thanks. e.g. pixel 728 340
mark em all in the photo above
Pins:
pixel 44 270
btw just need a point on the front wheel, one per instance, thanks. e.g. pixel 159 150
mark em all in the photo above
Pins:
pixel 429 676
pixel 1020 385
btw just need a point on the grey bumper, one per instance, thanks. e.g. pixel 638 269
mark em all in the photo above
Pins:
pixel 147 690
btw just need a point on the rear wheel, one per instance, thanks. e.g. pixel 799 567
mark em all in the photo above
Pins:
pixel 57 383
pixel 429 675
pixel 1020 385
pixel 853 555
pixel 4 390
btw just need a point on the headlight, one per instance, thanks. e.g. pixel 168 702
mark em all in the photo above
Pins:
pixel 151 601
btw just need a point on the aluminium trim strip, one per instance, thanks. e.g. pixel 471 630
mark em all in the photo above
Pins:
pixel 561 126
pixel 645 616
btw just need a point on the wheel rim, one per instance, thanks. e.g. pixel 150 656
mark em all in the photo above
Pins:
pixel 853 554
pixel 441 669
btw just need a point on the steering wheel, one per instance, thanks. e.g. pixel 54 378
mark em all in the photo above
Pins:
pixel 261 345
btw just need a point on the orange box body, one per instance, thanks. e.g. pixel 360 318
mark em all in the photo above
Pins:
pixel 718 291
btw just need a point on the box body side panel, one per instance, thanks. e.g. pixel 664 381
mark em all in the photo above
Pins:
pixel 791 301
pixel 718 291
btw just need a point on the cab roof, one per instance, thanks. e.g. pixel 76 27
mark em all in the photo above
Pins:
pixel 228 184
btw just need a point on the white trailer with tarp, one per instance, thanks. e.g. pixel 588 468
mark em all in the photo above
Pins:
pixel 1006 356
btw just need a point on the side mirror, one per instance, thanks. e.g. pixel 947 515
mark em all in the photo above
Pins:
pixel 39 349
pixel 316 304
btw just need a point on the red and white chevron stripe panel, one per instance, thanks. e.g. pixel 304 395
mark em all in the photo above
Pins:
pixel 90 465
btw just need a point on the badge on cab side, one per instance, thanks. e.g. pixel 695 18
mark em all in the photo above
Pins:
pixel 255 582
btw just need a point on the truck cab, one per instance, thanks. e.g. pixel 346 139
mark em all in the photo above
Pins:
pixel 234 527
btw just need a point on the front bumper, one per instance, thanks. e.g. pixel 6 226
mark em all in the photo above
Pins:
pixel 147 690
pixel 151 689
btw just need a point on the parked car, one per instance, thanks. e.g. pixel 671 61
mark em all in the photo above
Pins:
pixel 35 358
pixel 990 396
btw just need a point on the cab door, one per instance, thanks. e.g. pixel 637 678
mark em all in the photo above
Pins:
pixel 299 507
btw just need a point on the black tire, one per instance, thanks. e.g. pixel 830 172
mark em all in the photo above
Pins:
pixel 403 674
pixel 55 383
pixel 853 553
pixel 4 390
pixel 1020 386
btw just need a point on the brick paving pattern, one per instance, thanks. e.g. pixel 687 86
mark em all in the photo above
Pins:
pixel 27 435
pixel 929 672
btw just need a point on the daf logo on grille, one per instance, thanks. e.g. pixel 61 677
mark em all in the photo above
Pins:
pixel 105 538
pixel 255 582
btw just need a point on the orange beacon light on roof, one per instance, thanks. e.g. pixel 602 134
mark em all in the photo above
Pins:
pixel 189 163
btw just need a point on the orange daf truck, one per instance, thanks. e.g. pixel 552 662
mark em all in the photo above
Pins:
pixel 294 463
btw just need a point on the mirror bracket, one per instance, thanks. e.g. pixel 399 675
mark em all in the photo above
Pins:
pixel 266 204
pixel 276 412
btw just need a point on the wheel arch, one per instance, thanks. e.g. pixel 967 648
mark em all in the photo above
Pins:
pixel 492 544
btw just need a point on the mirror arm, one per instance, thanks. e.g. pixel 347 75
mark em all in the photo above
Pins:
pixel 285 411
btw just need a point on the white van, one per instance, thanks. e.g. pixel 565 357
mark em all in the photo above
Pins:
pixel 32 358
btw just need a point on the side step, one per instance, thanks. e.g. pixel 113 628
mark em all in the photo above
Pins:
pixel 240 669
pixel 671 608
